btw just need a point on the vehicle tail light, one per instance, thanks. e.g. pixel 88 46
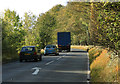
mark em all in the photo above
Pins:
pixel 59 45
pixel 67 45
pixel 35 53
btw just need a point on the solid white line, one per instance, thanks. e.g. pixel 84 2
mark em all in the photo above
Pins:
pixel 49 63
pixel 88 74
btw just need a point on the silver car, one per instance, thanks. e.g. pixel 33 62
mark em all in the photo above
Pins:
pixel 51 49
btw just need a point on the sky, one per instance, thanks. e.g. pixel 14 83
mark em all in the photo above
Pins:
pixel 34 6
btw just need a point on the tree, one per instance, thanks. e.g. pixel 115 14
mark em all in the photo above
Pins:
pixel 45 25
pixel 106 30
pixel 29 24
pixel 12 34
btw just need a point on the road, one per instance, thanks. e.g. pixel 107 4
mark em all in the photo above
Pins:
pixel 67 67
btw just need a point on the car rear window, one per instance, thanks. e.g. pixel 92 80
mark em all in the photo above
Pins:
pixel 27 49
pixel 50 46
pixel 54 46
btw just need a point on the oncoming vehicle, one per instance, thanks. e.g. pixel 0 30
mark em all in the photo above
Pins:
pixel 51 49
pixel 30 53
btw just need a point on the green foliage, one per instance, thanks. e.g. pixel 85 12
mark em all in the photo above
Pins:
pixel 73 18
pixel 12 33
pixel 29 25
pixel 106 30
pixel 89 23
pixel 45 25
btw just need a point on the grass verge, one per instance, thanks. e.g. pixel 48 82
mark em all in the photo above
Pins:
pixel 6 58
pixel 81 47
pixel 104 64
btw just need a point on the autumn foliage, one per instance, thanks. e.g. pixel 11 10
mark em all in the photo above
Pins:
pixel 104 68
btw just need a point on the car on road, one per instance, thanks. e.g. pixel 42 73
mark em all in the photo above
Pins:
pixel 30 53
pixel 51 49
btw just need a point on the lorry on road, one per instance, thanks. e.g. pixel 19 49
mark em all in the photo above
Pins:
pixel 64 41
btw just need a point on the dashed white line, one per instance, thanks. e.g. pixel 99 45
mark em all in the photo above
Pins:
pixel 59 58
pixel 56 59
pixel 49 63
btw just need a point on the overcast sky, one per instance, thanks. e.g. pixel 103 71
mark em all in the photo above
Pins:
pixel 35 6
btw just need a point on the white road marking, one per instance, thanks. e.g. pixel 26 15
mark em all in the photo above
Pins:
pixel 63 55
pixel 59 58
pixel 36 70
pixel 88 74
pixel 49 63
pixel 67 53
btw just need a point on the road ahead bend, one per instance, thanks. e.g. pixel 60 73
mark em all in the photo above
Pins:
pixel 67 67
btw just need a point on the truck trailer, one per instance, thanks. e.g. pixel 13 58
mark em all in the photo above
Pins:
pixel 64 41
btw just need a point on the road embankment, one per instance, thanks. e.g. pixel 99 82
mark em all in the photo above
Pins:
pixel 104 64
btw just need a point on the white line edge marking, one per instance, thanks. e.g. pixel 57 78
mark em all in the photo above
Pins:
pixel 49 63
pixel 88 73
pixel 36 70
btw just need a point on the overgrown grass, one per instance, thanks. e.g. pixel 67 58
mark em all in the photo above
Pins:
pixel 94 53
pixel 8 57
pixel 103 65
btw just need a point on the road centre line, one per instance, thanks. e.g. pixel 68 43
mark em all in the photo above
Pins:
pixel 49 63
pixel 59 58
pixel 53 61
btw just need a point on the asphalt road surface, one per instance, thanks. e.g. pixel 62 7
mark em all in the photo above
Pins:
pixel 67 67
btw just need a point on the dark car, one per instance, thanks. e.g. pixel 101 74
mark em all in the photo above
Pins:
pixel 30 53
pixel 51 49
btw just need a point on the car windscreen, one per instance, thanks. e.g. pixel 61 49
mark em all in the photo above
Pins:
pixel 27 48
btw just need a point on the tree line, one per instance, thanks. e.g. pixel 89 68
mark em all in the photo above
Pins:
pixel 89 23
